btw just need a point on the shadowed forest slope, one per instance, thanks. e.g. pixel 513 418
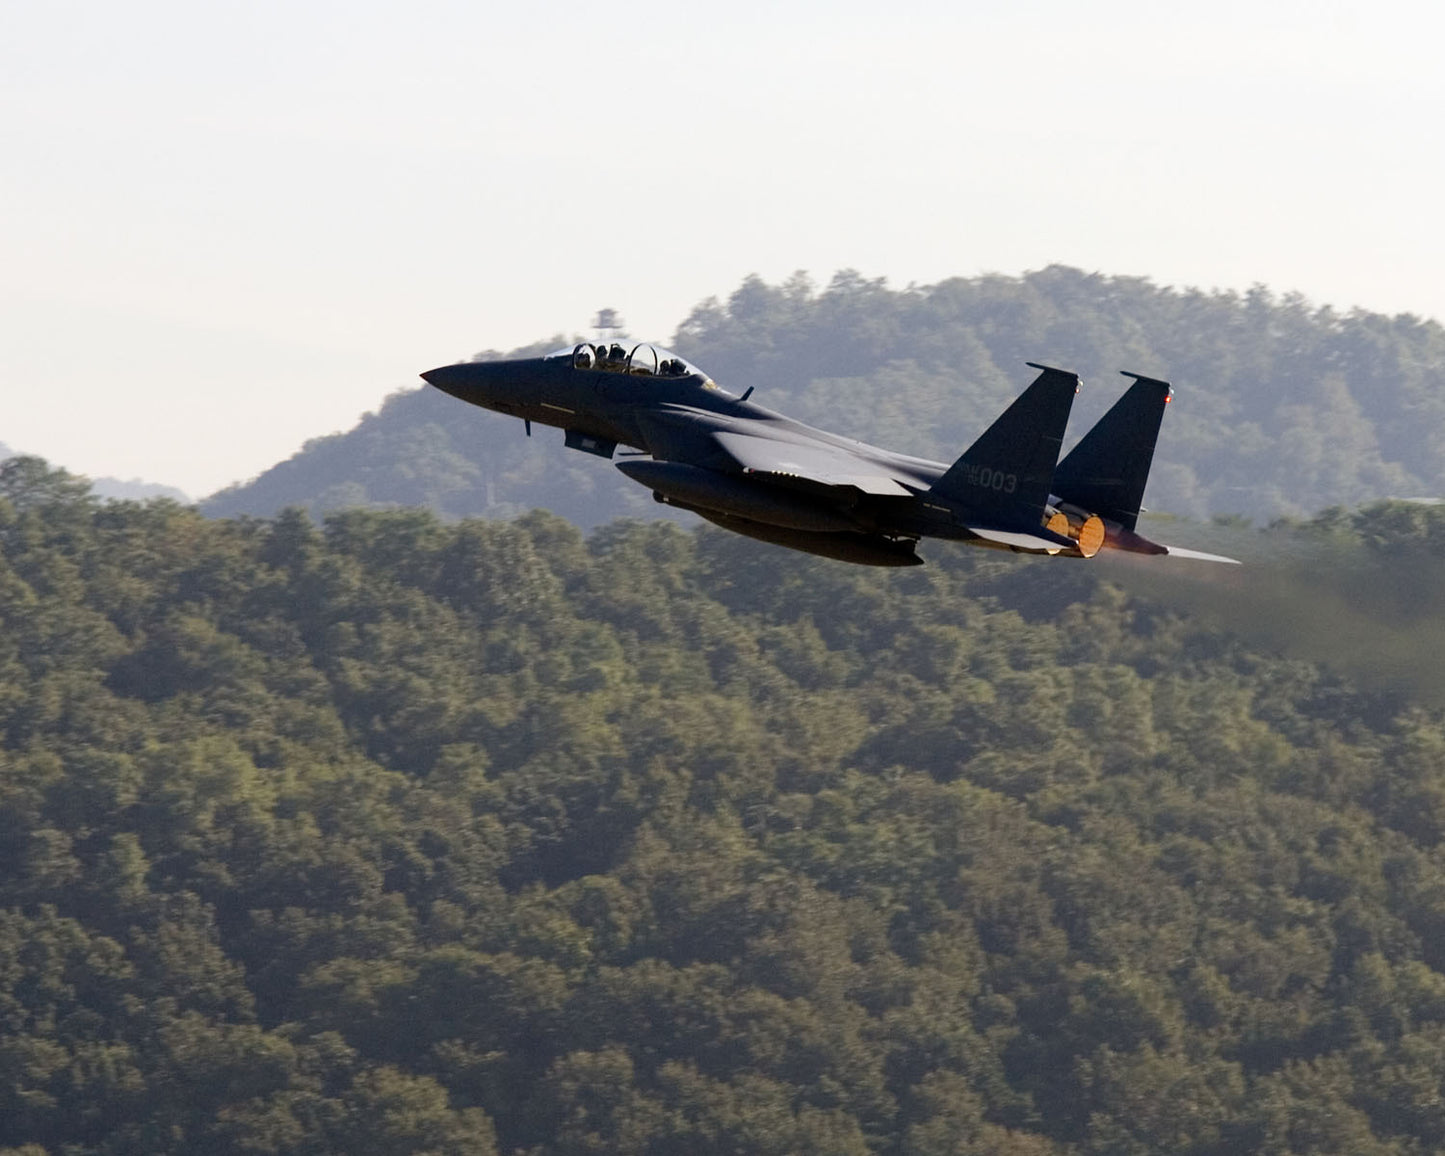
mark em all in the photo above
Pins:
pixel 1283 409
pixel 409 836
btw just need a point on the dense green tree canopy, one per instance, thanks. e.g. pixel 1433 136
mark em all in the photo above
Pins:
pixel 1283 408
pixel 405 836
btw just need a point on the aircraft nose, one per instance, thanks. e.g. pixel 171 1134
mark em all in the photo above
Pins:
pixel 449 378
pixel 499 385
pixel 479 382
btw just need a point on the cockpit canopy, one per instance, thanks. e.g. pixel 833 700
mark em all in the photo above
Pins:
pixel 644 360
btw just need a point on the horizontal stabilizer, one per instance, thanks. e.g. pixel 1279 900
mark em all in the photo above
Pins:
pixel 1016 540
pixel 1199 555
pixel 1132 542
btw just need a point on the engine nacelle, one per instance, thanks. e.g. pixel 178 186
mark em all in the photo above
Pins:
pixel 693 488
pixel 848 546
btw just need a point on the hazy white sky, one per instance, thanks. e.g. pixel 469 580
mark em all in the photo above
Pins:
pixel 228 226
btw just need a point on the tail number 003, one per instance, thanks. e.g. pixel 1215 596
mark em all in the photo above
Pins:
pixel 991 479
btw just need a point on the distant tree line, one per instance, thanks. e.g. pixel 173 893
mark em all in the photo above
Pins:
pixel 398 835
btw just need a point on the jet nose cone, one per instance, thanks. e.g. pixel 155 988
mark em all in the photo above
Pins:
pixel 499 385
pixel 448 378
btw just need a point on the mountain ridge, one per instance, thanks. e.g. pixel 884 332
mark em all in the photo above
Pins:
pixel 1283 408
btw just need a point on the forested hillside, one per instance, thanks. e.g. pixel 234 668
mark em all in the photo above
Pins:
pixel 407 836
pixel 1283 408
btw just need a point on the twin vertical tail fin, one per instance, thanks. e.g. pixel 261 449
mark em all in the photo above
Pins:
pixel 1000 490
pixel 1004 479
pixel 1107 471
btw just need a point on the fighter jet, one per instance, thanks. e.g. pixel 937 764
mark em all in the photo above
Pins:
pixel 757 472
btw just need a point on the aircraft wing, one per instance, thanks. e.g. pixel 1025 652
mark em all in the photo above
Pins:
pixel 797 464
pixel 820 464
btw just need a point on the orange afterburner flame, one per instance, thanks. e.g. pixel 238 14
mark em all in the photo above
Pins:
pixel 1087 533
